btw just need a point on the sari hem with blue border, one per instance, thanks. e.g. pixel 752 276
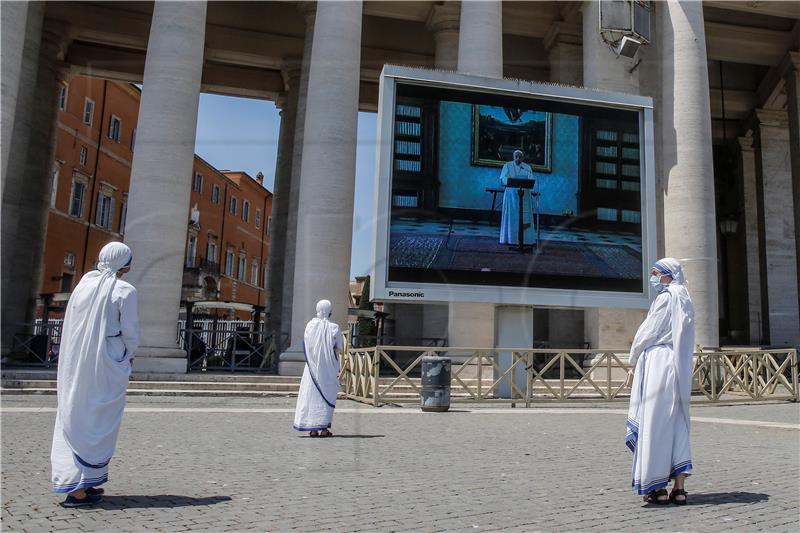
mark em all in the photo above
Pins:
pixel 83 484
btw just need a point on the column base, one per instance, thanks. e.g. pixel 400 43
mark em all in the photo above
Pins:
pixel 291 363
pixel 156 360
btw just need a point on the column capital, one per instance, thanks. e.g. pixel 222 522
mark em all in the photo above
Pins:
pixel 57 35
pixel 65 71
pixel 444 17
pixel 280 103
pixel 790 65
pixel 746 144
pixel 561 32
pixel 772 89
pixel 793 60
pixel 291 70
pixel 570 10
pixel 308 10
pixel 771 118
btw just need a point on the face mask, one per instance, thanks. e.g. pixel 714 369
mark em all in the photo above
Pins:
pixel 655 282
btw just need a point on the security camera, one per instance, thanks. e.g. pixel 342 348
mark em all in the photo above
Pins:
pixel 627 47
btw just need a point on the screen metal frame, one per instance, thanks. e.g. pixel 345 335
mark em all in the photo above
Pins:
pixel 408 292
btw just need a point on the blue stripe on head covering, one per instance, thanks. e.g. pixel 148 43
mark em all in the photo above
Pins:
pixel 661 267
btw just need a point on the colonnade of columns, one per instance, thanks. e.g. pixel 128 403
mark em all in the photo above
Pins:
pixel 314 185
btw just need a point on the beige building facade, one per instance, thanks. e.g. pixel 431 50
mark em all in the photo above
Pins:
pixel 723 76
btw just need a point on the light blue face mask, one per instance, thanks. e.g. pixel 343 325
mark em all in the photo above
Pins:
pixel 655 282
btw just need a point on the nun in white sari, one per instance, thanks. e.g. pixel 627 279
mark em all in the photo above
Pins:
pixel 322 343
pixel 658 418
pixel 99 337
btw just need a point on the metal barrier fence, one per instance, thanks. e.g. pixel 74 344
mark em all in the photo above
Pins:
pixel 225 326
pixel 371 375
pixel 39 346
pixel 225 350
pixel 229 345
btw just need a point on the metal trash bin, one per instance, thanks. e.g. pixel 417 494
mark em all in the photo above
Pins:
pixel 435 394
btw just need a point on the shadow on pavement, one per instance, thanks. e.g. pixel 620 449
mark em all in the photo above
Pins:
pixel 719 498
pixel 158 501
pixel 337 436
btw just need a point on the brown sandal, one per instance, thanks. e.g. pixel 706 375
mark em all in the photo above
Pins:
pixel 673 496
pixel 654 497
pixel 313 434
pixel 325 433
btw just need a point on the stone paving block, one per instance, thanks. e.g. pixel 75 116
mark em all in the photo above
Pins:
pixel 529 471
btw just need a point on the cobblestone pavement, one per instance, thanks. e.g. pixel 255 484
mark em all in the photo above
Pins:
pixel 235 464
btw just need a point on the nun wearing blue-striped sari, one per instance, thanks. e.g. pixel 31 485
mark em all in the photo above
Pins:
pixel 661 387
pixel 99 337
pixel 316 399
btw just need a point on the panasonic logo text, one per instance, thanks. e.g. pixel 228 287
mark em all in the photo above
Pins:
pixel 403 294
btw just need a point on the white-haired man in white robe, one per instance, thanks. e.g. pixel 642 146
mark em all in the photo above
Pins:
pixel 322 343
pixel 509 219
pixel 661 388
pixel 99 337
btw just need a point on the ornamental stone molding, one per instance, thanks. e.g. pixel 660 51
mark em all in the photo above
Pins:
pixel 563 33
pixel 444 17
pixel 772 118
pixel 746 144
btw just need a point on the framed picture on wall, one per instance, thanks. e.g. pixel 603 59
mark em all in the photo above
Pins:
pixel 498 131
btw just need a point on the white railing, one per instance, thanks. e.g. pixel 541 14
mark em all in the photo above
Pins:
pixel 373 376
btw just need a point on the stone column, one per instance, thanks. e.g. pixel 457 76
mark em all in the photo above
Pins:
pixel 308 10
pixel 480 39
pixel 161 177
pixel 480 52
pixel 564 44
pixel 35 200
pixel 690 233
pixel 514 329
pixel 780 254
pixel 14 184
pixel 443 23
pixel 327 183
pixel 13 25
pixel 792 77
pixel 280 199
pixel 602 69
pixel 752 246
pixel 26 197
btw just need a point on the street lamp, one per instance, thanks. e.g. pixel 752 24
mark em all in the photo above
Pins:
pixel 625 24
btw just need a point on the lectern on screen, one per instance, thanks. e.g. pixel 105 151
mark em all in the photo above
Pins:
pixel 455 151
pixel 522 188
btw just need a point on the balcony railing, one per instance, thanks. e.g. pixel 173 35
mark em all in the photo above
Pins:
pixel 202 265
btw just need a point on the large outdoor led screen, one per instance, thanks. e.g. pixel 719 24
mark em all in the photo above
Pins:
pixel 512 192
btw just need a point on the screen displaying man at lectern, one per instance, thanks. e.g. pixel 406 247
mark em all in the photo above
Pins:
pixel 512 190
pixel 516 216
